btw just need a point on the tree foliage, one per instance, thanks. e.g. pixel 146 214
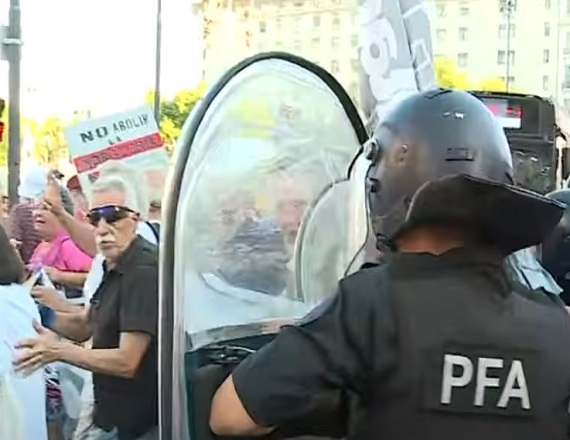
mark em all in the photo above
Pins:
pixel 49 141
pixel 174 112
pixel 449 76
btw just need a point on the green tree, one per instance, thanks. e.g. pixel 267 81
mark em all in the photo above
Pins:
pixel 174 112
pixel 49 141
pixel 449 76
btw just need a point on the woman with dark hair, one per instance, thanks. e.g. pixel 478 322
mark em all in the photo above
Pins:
pixel 22 399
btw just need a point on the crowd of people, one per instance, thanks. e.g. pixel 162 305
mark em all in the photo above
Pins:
pixel 79 296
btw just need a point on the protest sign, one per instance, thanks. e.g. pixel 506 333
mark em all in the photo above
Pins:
pixel 131 137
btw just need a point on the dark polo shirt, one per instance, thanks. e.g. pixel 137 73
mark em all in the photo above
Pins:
pixel 127 301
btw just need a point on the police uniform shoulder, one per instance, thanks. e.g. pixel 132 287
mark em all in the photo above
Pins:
pixel 369 276
pixel 538 296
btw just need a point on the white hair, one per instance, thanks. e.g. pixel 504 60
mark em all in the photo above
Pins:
pixel 134 186
pixel 118 183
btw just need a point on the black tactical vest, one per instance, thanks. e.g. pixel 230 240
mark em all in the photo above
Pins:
pixel 475 359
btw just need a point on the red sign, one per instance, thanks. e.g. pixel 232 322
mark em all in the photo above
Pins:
pixel 118 151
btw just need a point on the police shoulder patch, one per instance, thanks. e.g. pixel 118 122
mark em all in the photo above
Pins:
pixel 480 380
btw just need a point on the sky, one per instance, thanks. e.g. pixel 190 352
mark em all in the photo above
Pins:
pixel 100 54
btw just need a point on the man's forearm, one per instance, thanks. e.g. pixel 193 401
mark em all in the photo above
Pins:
pixel 109 361
pixel 73 279
pixel 80 232
pixel 72 326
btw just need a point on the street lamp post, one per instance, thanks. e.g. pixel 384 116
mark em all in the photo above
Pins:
pixel 12 49
pixel 158 62
pixel 509 6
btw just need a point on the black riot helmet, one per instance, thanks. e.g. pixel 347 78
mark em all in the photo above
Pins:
pixel 555 249
pixel 440 157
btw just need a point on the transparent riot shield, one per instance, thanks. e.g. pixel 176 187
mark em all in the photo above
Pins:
pixel 254 219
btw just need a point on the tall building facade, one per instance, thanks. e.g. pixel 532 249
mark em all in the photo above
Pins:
pixel 524 42
pixel 323 31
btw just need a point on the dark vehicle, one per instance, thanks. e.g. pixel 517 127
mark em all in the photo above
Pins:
pixel 529 122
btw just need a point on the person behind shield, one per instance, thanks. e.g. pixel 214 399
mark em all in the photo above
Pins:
pixel 437 342
pixel 250 254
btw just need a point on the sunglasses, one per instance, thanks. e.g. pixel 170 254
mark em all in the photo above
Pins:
pixel 109 213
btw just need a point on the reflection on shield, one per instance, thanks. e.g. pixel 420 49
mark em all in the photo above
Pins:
pixel 272 142
pixel 320 260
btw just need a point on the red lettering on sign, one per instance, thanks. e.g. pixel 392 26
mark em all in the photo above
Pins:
pixel 118 151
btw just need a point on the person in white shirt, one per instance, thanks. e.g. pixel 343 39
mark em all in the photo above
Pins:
pixel 22 399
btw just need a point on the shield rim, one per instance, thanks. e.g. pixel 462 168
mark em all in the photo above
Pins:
pixel 190 129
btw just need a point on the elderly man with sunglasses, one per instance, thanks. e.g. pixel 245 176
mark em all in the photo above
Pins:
pixel 121 320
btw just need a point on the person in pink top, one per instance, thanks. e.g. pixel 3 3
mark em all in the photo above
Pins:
pixel 65 264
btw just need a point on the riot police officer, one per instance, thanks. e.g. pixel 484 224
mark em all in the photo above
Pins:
pixel 437 342
pixel 555 249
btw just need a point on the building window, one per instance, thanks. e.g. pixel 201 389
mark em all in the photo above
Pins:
pixel 501 57
pixel 354 40
pixel 297 24
pixel 298 4
pixel 462 34
pixel 441 35
pixel 315 42
pixel 547 29
pixel 262 26
pixel 546 56
pixel 355 65
pixel 503 30
pixel 335 23
pixel 462 60
pixel 334 43
pixel 334 66
pixel 316 21
pixel 297 46
pixel 464 10
pixel 546 4
pixel 278 23
pixel 440 10
pixel 316 3
pixel 545 83
pixel 568 6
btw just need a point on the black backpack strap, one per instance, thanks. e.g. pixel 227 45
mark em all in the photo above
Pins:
pixel 155 230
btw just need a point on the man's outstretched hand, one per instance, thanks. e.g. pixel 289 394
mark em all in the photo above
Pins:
pixel 37 352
